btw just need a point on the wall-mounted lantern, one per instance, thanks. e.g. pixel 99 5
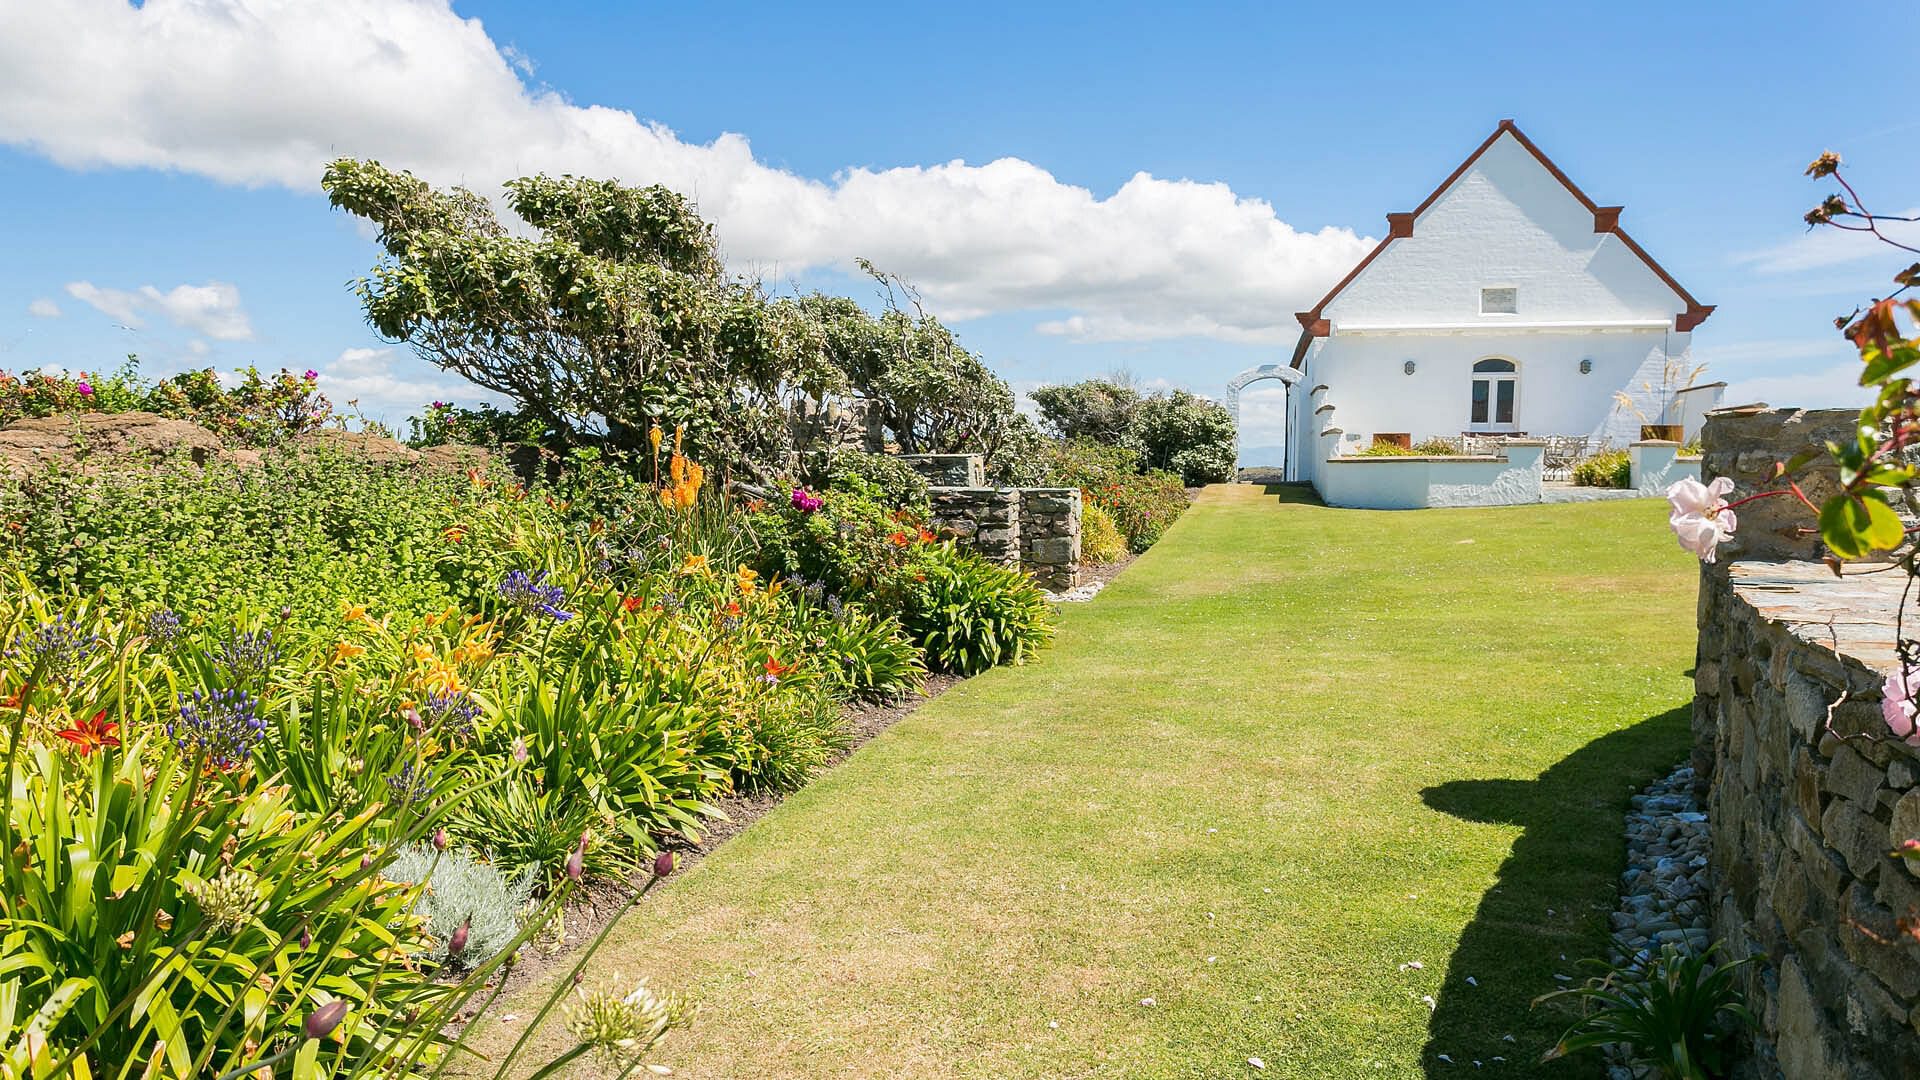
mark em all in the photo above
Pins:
pixel 1586 366
pixel 1408 368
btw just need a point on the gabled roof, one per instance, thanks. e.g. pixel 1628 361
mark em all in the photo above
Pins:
pixel 1606 219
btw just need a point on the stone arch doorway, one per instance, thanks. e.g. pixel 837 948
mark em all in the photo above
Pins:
pixel 1286 376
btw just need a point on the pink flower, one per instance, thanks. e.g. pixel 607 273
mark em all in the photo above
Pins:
pixel 806 501
pixel 519 750
pixel 1700 518
pixel 1898 706
pixel 312 375
pixel 85 388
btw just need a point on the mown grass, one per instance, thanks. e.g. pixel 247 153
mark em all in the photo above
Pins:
pixel 1291 750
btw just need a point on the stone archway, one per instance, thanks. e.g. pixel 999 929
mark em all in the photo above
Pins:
pixel 1281 373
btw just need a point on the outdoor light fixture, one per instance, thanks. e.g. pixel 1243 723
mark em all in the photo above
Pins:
pixel 1409 367
pixel 1586 366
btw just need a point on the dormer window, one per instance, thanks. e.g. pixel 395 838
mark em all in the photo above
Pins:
pixel 1500 300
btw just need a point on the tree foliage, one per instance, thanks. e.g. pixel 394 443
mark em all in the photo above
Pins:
pixel 616 313
pixel 1177 431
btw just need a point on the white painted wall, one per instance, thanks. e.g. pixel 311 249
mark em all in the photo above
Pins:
pixel 1412 483
pixel 1582 295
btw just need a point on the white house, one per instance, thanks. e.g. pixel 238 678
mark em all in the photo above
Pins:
pixel 1507 303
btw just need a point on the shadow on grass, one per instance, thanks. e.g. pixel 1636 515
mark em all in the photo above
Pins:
pixel 1549 907
pixel 1299 492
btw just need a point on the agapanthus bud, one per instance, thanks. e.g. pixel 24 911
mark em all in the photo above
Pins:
pixel 366 860
pixel 519 750
pixel 457 944
pixel 306 938
pixel 577 862
pixel 663 864
pixel 322 1021
pixel 440 839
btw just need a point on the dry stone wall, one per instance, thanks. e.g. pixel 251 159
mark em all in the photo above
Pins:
pixel 1031 529
pixel 1807 796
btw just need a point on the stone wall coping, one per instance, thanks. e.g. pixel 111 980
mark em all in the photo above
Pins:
pixel 1526 442
pixel 1655 442
pixel 1852 615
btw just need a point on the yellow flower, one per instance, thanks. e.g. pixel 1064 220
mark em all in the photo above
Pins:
pixel 694 564
pixel 653 438
pixel 746 577
pixel 422 651
pixel 354 612
pixel 346 650
pixel 684 477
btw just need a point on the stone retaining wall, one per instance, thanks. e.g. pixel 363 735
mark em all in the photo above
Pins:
pixel 1807 796
pixel 1032 529
pixel 948 470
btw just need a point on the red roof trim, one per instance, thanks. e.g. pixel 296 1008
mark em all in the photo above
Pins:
pixel 1606 219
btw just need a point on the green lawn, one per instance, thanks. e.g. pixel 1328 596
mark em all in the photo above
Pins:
pixel 1290 750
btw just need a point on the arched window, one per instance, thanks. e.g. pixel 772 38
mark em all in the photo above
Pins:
pixel 1496 384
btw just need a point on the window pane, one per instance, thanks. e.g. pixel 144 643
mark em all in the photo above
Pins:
pixel 1480 401
pixel 1503 411
pixel 1493 365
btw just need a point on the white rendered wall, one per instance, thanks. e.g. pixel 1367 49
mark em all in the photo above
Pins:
pixel 1371 392
pixel 1506 222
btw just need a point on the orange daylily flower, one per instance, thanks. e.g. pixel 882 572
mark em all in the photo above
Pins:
pixel 455 534
pixel 693 564
pixel 346 650
pixel 90 735
pixel 631 604
pixel 899 539
pixel 354 612
pixel 746 578
pixel 776 669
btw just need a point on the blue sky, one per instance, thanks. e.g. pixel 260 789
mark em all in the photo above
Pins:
pixel 1081 188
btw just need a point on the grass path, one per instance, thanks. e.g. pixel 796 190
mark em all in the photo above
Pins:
pixel 1290 750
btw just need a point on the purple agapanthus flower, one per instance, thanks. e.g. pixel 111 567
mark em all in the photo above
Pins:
pixel 452 713
pixel 531 593
pixel 225 725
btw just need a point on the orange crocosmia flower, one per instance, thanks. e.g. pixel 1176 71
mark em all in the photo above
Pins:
pixel 90 735
pixel 899 539
pixel 755 506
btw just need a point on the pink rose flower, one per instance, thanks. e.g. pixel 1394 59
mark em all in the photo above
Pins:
pixel 1898 706
pixel 85 388
pixel 1700 518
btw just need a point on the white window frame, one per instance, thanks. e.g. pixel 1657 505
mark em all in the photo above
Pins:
pixel 1493 379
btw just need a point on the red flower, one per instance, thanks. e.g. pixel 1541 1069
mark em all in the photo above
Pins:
pixel 89 735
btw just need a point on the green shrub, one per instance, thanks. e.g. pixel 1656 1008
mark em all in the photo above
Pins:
pixel 792 736
pixel 881 477
pixel 1142 505
pixel 866 656
pixel 1091 465
pixel 310 530
pixel 260 410
pixel 1436 447
pixel 1100 539
pixel 969 614
pixel 1613 469
pixel 459 890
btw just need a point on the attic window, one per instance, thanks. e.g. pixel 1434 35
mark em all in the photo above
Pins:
pixel 1502 300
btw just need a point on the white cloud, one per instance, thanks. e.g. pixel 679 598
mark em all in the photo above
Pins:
pixel 1822 247
pixel 277 87
pixel 1828 388
pixel 212 309
pixel 382 384
pixel 1263 415
pixel 43 308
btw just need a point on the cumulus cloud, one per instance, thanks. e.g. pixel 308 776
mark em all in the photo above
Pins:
pixel 43 308
pixel 277 87
pixel 382 384
pixel 212 309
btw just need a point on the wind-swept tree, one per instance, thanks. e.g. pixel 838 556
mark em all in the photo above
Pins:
pixel 614 312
